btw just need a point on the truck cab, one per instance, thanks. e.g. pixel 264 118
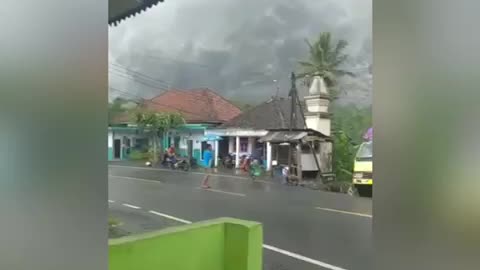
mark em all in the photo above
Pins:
pixel 363 169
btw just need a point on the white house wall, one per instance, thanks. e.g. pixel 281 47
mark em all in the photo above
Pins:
pixel 308 162
pixel 321 125
pixel 110 139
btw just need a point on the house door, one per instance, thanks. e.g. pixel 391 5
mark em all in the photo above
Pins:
pixel 117 143
pixel 223 147
pixel 190 149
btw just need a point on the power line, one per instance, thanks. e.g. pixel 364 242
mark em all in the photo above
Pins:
pixel 139 77
pixel 138 73
pixel 128 95
pixel 142 78
pixel 141 82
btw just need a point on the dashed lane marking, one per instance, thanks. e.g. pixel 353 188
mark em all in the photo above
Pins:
pixel 344 212
pixel 135 178
pixel 131 206
pixel 224 192
pixel 302 258
pixel 170 217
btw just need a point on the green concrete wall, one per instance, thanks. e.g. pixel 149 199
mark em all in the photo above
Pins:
pixel 220 244
pixel 183 152
pixel 110 153
pixel 197 155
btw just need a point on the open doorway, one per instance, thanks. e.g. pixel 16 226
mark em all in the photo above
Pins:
pixel 223 147
pixel 117 143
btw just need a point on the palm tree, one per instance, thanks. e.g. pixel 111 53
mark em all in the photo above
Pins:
pixel 325 60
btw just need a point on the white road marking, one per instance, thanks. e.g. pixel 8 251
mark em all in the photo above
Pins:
pixel 170 217
pixel 136 179
pixel 131 206
pixel 302 258
pixel 155 181
pixel 224 192
pixel 272 248
pixel 110 201
pixel 344 212
pixel 198 173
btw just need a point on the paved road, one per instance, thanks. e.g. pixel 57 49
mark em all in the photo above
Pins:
pixel 303 229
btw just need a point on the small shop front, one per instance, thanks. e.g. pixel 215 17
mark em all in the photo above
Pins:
pixel 188 140
pixel 122 140
pixel 238 142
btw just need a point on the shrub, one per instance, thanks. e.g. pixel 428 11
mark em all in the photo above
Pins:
pixel 139 155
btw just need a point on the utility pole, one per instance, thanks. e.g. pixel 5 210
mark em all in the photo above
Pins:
pixel 293 96
pixel 293 119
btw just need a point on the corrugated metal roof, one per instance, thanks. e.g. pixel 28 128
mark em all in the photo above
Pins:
pixel 283 136
pixel 119 10
pixel 274 114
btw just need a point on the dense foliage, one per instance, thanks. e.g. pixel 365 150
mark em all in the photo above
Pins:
pixel 350 123
pixel 156 124
pixel 115 108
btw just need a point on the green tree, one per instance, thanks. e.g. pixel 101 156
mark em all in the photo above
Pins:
pixel 344 154
pixel 352 120
pixel 155 124
pixel 325 60
pixel 349 125
pixel 115 108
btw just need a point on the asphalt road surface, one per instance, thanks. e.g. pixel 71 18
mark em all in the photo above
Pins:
pixel 303 229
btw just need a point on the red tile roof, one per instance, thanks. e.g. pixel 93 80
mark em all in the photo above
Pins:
pixel 196 105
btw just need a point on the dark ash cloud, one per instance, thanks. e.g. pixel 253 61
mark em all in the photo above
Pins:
pixel 238 47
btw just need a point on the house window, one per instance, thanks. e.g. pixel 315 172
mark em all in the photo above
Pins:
pixel 243 144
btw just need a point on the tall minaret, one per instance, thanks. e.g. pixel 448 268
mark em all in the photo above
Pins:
pixel 317 102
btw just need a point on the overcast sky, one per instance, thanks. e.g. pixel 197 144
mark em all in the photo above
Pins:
pixel 237 48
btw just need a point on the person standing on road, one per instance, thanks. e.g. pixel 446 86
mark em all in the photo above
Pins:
pixel 207 165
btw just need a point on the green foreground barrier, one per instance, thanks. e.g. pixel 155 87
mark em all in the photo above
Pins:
pixel 219 244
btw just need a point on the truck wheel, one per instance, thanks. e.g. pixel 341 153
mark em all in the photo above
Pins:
pixel 364 190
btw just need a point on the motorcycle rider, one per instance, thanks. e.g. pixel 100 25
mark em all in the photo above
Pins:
pixel 171 154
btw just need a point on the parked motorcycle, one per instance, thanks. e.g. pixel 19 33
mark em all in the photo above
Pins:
pixel 182 164
pixel 256 169
pixel 228 161
pixel 177 163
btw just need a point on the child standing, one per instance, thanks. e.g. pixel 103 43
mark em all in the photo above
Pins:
pixel 207 165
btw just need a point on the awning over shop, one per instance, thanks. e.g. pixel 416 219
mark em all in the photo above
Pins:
pixel 211 138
